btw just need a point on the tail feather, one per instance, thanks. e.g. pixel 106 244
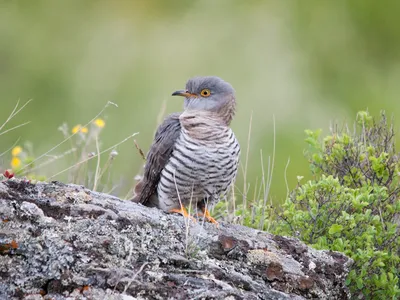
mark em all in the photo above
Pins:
pixel 151 201
pixel 137 191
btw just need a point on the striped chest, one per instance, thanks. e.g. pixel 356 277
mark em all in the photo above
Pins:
pixel 202 166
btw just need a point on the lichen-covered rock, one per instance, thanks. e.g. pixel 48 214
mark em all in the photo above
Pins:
pixel 62 241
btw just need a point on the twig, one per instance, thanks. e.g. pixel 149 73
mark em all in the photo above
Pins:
pixel 134 276
pixel 85 160
pixel 140 150
pixel 15 112
pixel 97 172
pixel 52 159
pixel 270 173
pixel 69 137
pixel 245 191
pixel 286 181
pixel 16 142
pixel 15 127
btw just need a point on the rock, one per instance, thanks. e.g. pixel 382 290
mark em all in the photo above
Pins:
pixel 62 241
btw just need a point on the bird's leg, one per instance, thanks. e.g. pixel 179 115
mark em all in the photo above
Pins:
pixel 206 213
pixel 183 212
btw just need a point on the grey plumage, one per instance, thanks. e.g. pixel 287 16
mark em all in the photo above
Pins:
pixel 194 156
pixel 157 158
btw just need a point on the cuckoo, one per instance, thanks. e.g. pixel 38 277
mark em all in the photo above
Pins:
pixel 194 156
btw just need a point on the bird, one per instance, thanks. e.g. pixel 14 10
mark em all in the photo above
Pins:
pixel 194 157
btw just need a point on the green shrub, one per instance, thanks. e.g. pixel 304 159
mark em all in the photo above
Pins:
pixel 352 205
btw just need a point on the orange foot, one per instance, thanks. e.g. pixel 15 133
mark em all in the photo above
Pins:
pixel 183 212
pixel 207 215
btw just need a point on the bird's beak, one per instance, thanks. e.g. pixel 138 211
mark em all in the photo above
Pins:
pixel 182 93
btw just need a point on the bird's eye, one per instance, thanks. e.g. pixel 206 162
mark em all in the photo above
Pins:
pixel 205 92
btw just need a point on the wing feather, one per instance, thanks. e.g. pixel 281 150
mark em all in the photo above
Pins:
pixel 157 158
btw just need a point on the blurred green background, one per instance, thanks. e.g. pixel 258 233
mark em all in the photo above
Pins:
pixel 308 63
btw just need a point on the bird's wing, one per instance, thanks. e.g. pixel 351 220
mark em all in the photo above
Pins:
pixel 158 157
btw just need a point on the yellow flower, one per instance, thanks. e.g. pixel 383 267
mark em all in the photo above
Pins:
pixel 79 127
pixel 16 151
pixel 99 123
pixel 15 162
pixel 76 128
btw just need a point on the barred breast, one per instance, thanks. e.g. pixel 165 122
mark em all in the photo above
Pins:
pixel 202 166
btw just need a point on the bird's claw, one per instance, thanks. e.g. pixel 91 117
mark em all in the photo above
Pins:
pixel 207 216
pixel 183 212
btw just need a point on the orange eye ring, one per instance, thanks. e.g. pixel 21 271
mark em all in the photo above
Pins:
pixel 205 93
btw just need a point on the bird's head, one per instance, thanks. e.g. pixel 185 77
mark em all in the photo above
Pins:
pixel 209 93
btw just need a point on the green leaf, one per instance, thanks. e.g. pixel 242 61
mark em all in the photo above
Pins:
pixel 335 228
pixel 359 283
